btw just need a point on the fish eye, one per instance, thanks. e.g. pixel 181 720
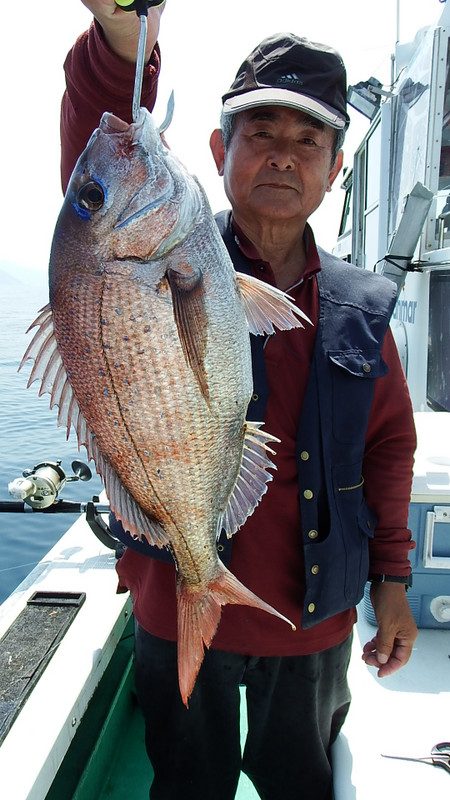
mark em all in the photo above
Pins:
pixel 91 196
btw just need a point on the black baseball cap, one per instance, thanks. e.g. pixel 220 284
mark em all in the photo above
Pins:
pixel 288 70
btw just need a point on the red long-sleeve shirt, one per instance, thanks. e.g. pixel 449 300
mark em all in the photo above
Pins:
pixel 267 556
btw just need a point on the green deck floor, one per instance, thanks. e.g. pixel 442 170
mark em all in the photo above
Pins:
pixel 130 774
pixel 107 758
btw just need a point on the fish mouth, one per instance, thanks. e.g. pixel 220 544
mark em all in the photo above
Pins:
pixel 111 124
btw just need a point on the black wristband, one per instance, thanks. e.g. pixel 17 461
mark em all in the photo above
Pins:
pixel 405 579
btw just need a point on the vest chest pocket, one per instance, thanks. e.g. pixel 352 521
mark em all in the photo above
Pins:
pixel 353 374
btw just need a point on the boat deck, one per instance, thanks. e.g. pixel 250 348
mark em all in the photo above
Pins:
pixel 130 773
pixel 83 732
pixel 405 714
pixel 107 758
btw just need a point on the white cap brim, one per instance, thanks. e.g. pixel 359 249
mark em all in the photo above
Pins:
pixel 283 97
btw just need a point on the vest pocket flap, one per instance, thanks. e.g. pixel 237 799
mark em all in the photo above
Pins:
pixel 361 364
pixel 367 520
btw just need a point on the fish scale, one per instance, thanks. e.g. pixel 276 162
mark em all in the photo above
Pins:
pixel 171 447
pixel 161 453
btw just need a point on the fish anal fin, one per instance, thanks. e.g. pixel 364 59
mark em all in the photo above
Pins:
pixel 190 316
pixel 252 479
pixel 199 614
pixel 267 307
pixel 134 519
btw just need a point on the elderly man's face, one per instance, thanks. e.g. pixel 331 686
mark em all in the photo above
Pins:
pixel 278 165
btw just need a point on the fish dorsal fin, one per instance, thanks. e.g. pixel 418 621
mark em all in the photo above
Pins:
pixel 266 306
pixel 252 479
pixel 49 369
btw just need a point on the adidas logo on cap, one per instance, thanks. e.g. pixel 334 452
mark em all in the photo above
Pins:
pixel 291 77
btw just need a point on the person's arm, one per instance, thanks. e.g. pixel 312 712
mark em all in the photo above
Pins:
pixel 388 463
pixel 121 28
pixel 100 72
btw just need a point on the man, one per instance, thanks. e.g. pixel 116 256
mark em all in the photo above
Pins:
pixel 334 394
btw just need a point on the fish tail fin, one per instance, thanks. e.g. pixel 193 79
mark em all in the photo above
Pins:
pixel 199 614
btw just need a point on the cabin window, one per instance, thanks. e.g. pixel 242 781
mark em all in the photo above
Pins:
pixel 373 168
pixel 347 213
pixel 438 375
pixel 443 218
pixel 444 165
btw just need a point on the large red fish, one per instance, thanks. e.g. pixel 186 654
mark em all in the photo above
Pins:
pixel 145 348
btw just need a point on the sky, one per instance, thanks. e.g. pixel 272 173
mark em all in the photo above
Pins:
pixel 202 46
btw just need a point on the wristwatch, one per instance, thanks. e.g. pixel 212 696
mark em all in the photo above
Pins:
pixel 405 579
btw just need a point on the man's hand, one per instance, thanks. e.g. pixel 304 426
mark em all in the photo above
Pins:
pixel 121 28
pixel 391 648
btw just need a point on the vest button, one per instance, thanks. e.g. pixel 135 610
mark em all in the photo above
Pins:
pixel 220 548
pixel 313 534
pixel 315 569
pixel 367 368
pixel 311 608
pixel 308 494
pixel 255 397
pixel 304 455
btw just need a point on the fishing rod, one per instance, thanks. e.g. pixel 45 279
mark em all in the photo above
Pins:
pixel 37 490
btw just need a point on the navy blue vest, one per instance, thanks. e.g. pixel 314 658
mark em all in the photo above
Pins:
pixel 354 311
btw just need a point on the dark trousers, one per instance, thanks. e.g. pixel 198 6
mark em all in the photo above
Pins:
pixel 296 706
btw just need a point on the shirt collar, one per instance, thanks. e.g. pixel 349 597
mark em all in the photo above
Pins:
pixel 249 250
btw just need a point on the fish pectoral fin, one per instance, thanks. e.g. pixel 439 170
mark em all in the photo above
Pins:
pixel 199 613
pixel 188 300
pixel 266 306
pixel 252 479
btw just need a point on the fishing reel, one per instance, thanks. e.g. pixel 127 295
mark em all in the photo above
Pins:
pixel 38 490
pixel 39 487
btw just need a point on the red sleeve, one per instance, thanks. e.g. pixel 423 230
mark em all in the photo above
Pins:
pixel 388 465
pixel 97 80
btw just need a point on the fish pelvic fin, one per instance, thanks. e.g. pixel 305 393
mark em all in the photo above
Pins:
pixel 252 479
pixel 266 306
pixel 199 613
